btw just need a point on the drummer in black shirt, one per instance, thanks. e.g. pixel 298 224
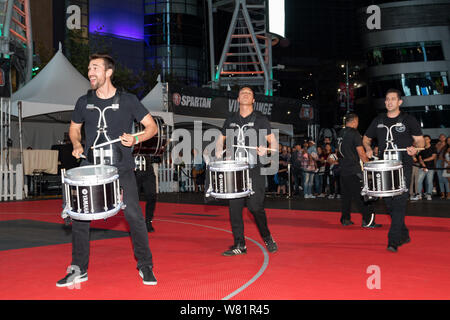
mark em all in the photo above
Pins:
pixel 120 121
pixel 255 202
pixel 407 134
pixel 351 153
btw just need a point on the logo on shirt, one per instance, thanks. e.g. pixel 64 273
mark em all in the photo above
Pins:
pixel 400 129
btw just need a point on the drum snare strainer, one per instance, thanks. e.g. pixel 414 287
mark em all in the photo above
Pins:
pixel 91 192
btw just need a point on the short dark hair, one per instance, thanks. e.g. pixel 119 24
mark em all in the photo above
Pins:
pixel 107 59
pixel 248 87
pixel 426 136
pixel 396 91
pixel 349 117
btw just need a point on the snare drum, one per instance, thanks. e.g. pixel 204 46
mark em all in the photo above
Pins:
pixel 229 179
pixel 383 178
pixel 91 192
pixel 157 144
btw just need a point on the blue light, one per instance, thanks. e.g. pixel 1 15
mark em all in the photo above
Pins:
pixel 124 19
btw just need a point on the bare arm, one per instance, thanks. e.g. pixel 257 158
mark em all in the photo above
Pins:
pixel 150 130
pixel 433 157
pixel 75 138
pixel 362 154
pixel 367 143
pixel 419 142
pixel 219 146
pixel 273 144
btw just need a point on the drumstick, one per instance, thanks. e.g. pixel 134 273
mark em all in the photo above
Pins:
pixel 235 145
pixel 404 149
pixel 114 141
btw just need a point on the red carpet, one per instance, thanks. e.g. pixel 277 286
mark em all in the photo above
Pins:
pixel 318 258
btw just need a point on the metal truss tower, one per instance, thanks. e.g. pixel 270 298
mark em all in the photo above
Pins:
pixel 16 41
pixel 246 58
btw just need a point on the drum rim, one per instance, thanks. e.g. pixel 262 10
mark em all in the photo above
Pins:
pixel 95 215
pixel 384 193
pixel 230 195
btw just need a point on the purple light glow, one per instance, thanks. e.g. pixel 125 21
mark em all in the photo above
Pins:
pixel 124 19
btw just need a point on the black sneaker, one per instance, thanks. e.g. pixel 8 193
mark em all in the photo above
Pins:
pixel 404 241
pixel 235 250
pixel 372 225
pixel 73 277
pixel 346 222
pixel 270 244
pixel 149 226
pixel 147 275
pixel 392 247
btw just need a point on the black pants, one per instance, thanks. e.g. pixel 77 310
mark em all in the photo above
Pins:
pixel 396 207
pixel 351 187
pixel 135 219
pixel 255 204
pixel 146 180
pixel 297 174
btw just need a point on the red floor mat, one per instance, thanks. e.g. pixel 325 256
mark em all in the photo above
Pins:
pixel 318 258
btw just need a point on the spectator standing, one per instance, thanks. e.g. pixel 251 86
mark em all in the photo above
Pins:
pixel 309 168
pixel 426 160
pixel 440 161
pixel 297 172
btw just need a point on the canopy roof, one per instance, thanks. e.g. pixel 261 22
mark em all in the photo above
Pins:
pixel 55 88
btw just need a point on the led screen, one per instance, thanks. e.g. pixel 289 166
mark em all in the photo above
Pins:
pixel 276 16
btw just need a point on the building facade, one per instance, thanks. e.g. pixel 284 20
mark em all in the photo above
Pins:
pixel 411 53
pixel 169 34
pixel 175 39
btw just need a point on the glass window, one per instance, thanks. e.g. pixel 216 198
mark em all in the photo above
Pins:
pixel 408 52
pixel 411 84
pixel 431 116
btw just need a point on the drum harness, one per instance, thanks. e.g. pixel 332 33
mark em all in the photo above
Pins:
pixel 391 151
pixel 241 137
pixel 101 154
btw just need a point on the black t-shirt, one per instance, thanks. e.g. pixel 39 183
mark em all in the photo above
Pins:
pixel 428 152
pixel 283 165
pixel 349 160
pixel 254 133
pixel 118 122
pixel 402 135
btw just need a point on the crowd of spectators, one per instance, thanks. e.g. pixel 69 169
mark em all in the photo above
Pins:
pixel 314 170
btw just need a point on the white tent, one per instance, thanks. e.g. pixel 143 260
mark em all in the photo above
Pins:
pixel 56 88
pixel 154 103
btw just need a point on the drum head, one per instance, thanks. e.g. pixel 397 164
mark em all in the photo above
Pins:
pixel 228 165
pixel 91 175
pixel 383 165
pixel 156 145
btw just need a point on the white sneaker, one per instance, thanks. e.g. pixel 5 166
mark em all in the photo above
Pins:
pixel 428 196
pixel 416 197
